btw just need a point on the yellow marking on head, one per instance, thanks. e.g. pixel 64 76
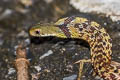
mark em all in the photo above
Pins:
pixel 60 21
pixel 103 30
pixel 94 24
pixel 80 20
pixel 74 32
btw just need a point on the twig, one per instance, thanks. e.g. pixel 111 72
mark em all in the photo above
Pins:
pixel 21 64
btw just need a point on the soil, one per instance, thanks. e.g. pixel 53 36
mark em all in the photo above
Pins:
pixel 17 17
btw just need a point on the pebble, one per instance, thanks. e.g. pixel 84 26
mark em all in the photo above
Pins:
pixel 27 41
pixel 22 34
pixel 6 13
pixel 48 1
pixel 38 68
pixel 72 77
pixel 98 78
pixel 11 71
pixel 1 42
pixel 46 54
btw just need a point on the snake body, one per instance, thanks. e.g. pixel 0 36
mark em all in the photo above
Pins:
pixel 90 31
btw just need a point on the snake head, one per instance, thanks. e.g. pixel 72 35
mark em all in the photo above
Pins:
pixel 46 30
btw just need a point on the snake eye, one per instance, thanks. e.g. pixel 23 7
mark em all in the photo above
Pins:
pixel 37 32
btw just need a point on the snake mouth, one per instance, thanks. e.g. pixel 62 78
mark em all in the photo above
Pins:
pixel 47 35
pixel 39 40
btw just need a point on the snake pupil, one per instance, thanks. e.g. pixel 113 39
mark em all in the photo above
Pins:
pixel 116 71
pixel 37 32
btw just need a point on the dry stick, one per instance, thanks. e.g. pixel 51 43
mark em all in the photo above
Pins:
pixel 21 64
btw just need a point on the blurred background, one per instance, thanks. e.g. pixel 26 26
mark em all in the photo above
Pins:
pixel 17 16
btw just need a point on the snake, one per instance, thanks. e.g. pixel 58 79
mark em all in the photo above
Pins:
pixel 98 39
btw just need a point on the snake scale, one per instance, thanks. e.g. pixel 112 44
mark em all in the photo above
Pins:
pixel 90 31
